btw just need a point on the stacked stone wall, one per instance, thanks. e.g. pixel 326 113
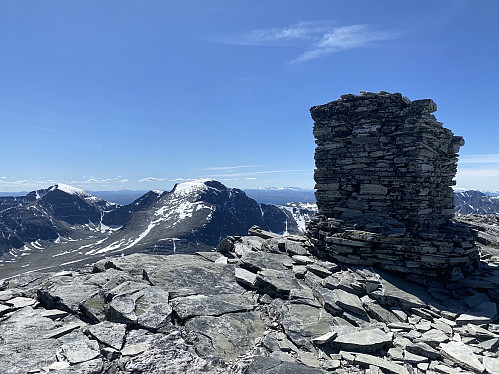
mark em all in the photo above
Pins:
pixel 384 171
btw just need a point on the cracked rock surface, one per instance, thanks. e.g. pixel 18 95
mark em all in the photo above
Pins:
pixel 264 305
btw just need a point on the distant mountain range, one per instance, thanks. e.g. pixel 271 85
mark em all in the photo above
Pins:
pixel 62 225
pixel 475 202
pixel 281 196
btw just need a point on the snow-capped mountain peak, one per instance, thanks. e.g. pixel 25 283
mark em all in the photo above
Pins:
pixel 193 187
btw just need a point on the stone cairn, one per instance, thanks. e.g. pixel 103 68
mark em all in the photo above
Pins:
pixel 384 171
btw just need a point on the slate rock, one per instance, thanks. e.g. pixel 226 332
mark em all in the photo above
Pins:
pixel 363 341
pixel 94 308
pixel 20 302
pixel 303 296
pixel 318 270
pixel 53 313
pixel 4 309
pixel 272 365
pixel 221 336
pixel 379 313
pixel 215 305
pixel 328 299
pixel 10 294
pixel 349 302
pixel 28 354
pixel 484 313
pixel 169 354
pixel 94 366
pixel 433 337
pixel 491 364
pixel 61 331
pixel 185 276
pixel 399 293
pixel 294 248
pixel 423 349
pixel 77 348
pixel 302 323
pixel 462 355
pixel 390 367
pixel 25 324
pixel 109 333
pixel 66 296
pixel 147 308
pixel 257 261
pixel 245 277
pixel 276 283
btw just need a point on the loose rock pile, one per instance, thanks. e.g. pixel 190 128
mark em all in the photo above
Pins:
pixel 384 170
pixel 261 304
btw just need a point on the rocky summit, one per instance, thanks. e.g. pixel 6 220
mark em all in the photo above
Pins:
pixel 259 304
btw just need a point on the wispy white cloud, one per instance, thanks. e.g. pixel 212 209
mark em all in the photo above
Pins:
pixel 492 158
pixel 278 35
pixel 14 183
pixel 124 180
pixel 250 178
pixel 317 38
pixel 151 179
pixel 345 37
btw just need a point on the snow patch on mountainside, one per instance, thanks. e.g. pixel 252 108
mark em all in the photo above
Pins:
pixel 301 212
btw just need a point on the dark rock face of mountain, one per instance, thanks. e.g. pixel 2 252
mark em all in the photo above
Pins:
pixel 47 215
pixel 192 216
pixel 121 215
pixel 475 202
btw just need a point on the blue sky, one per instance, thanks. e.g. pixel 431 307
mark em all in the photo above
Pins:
pixel 109 95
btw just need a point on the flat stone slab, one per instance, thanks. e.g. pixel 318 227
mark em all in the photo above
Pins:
pixel 53 313
pixel 21 302
pixel 67 296
pixel 257 261
pixel 276 283
pixel 109 333
pixel 77 348
pixel 398 292
pixel 189 278
pixel 227 336
pixel 273 365
pixel 61 331
pixel 147 308
pixel 349 301
pixel 491 364
pixel 302 323
pixel 484 313
pixel 368 360
pixel 462 355
pixel 380 314
pixel 215 305
pixel 245 277
pixel 25 324
pixel 363 341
